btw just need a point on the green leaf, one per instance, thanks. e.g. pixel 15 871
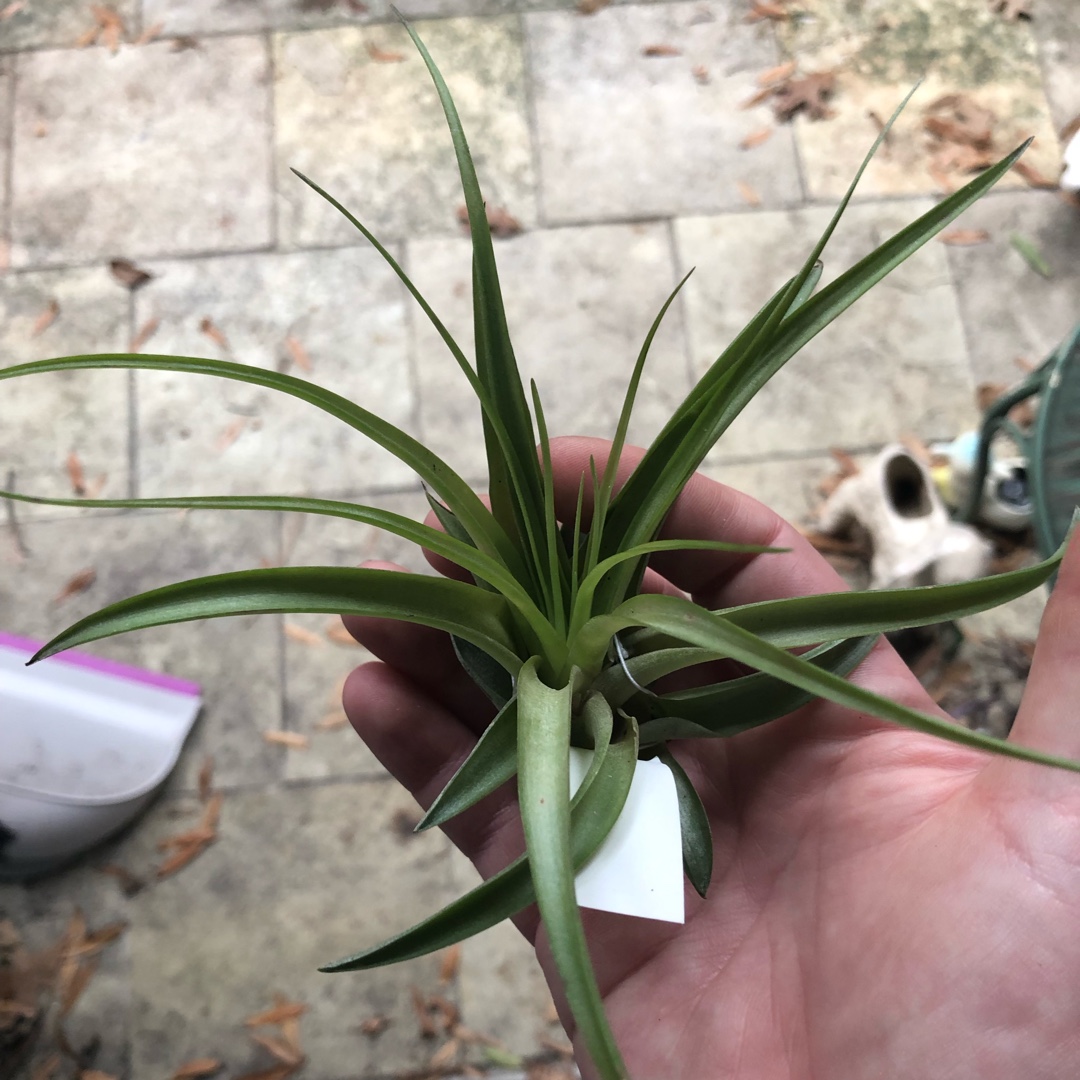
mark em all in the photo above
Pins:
pixel 474 515
pixel 686 621
pixel 697 844
pixel 478 616
pixel 723 709
pixel 492 678
pixel 594 810
pixel 543 785
pixel 1030 254
pixel 492 761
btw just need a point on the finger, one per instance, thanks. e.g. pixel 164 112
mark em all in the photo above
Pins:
pixel 425 656
pixel 1048 719
pixel 707 510
pixel 422 744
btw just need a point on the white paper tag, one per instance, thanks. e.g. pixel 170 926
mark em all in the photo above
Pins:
pixel 638 869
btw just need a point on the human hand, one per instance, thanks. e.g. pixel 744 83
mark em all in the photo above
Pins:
pixel 883 903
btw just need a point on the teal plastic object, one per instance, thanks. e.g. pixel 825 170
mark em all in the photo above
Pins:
pixel 1052 446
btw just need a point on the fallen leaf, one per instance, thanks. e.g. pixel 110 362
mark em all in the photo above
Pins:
pixel 941 177
pixel 75 474
pixel 302 635
pixel 12 9
pixel 110 24
pixel 964 237
pixel 1035 178
pixel 959 118
pixel 332 721
pixel 47 317
pixel 179 860
pixel 77 583
pixel 449 964
pixel 756 138
pixel 198 1068
pixel 762 9
pixel 282 1010
pixel 1031 255
pixel 445 1054
pixel 130 885
pixel 292 739
pixel 231 433
pixel 381 56
pixel 298 353
pixel 183 43
pixel 500 222
pixel 279 1048
pixel 290 1034
pixel 144 334
pixel 206 777
pixel 74 985
pixel 95 942
pixel 88 37
pixel 374 1025
pixel 206 325
pixel 591 7
pixel 212 811
pixel 151 33
pixel 749 194
pixel 660 50
pixel 424 1018
pixel 196 837
pixel 809 94
pixel 128 274
pixel 701 74
pixel 447 1012
pixel 778 74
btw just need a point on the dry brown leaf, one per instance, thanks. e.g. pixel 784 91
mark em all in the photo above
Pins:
pixel 591 7
pixel 303 635
pixel 424 1019
pixel 87 37
pixel 110 25
pixel 282 1010
pixel 340 636
pixel 332 721
pixel 179 860
pixel 231 433
pixel 76 474
pixel 756 138
pixel 130 885
pixel 206 777
pixel 206 325
pixel 144 333
pixel 780 73
pixel 382 56
pixel 279 1048
pixel 290 1033
pixel 374 1025
pixel 47 317
pixel 12 9
pixel 196 837
pixel 445 1054
pixel 660 50
pixel 1035 178
pixel 198 1068
pixel 450 964
pixel 77 583
pixel 93 943
pixel 291 739
pixel 298 353
pixel 749 195
pixel 941 177
pixel 128 274
pixel 212 811
pixel 964 237
pixel 764 9
pixel 501 223
pixel 76 983
pixel 809 94
pixel 151 33
pixel 448 1014
pixel 701 74
pixel 959 118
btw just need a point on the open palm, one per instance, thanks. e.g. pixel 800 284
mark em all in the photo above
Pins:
pixel 883 904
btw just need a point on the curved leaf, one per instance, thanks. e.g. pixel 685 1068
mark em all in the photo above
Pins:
pixel 697 844
pixel 478 616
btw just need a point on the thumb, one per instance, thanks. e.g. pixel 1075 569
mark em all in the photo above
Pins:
pixel 1049 716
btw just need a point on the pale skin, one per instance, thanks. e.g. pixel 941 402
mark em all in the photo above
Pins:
pixel 883 903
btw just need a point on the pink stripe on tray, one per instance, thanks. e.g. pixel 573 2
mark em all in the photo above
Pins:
pixel 105 667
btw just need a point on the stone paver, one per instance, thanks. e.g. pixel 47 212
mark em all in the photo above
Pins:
pixel 46 418
pixel 625 135
pixel 6 101
pixel 1059 49
pixel 879 56
pixel 357 112
pixel 173 150
pixel 339 312
pixel 1011 311
pixel 217 16
pixel 578 301
pixel 894 363
pixel 57 23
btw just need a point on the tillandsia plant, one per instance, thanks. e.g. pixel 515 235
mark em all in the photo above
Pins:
pixel 554 626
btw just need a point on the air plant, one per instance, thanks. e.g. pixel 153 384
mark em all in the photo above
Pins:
pixel 553 626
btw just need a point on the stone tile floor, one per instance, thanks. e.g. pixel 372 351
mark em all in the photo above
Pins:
pixel 173 149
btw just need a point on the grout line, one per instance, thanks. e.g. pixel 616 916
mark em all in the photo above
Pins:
pixel 532 120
